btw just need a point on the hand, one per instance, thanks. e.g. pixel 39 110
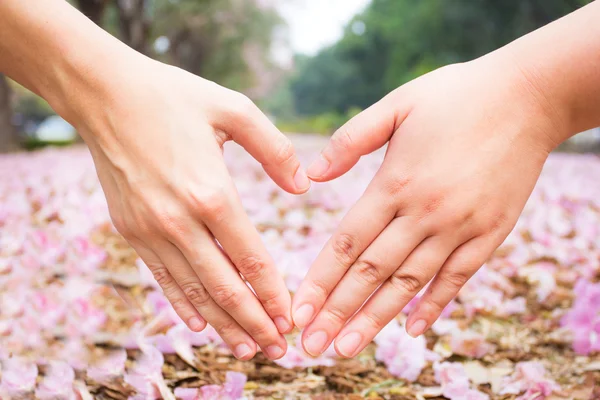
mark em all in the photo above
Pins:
pixel 156 134
pixel 466 145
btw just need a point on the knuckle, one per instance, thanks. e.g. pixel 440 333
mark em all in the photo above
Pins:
pixel 336 315
pixel 269 299
pixel 227 329
pixel 162 276
pixel 179 304
pixel 242 105
pixel 454 280
pixel 433 202
pixel 406 282
pixel 172 225
pixel 211 201
pixel 345 248
pixel 498 221
pixel 284 151
pixel 263 332
pixel 342 138
pixel 368 272
pixel 320 288
pixel 374 319
pixel 227 297
pixel 394 186
pixel 251 266
pixel 196 293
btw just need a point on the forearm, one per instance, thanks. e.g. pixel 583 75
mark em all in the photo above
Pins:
pixel 55 51
pixel 561 65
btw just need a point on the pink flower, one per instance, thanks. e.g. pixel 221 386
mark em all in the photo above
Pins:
pixel 57 382
pixel 455 382
pixel 233 388
pixel 108 367
pixel 404 356
pixel 469 344
pixel 529 377
pixel 146 375
pixel 187 393
pixel 583 319
pixel 18 377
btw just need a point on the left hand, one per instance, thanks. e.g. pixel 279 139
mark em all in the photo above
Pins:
pixel 467 143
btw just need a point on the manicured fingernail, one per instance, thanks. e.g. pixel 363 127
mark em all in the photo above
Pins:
pixel 417 328
pixel 303 315
pixel 315 343
pixel 283 326
pixel 318 168
pixel 348 345
pixel 196 324
pixel 274 352
pixel 242 351
pixel 301 180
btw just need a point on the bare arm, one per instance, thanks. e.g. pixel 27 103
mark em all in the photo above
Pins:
pixel 155 133
pixel 466 145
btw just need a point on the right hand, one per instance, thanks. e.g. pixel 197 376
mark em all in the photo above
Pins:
pixel 156 134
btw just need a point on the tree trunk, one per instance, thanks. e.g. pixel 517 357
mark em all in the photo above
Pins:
pixel 134 24
pixel 8 135
pixel 93 9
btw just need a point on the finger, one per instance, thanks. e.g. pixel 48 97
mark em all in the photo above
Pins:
pixel 455 272
pixel 236 338
pixel 229 291
pixel 182 306
pixel 393 295
pixel 250 128
pixel 365 221
pixel 362 135
pixel 244 247
pixel 372 268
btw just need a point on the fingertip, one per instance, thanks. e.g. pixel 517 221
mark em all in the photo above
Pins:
pixel 244 351
pixel 197 324
pixel 283 325
pixel 416 328
pixel 301 181
pixel 319 168
pixel 303 315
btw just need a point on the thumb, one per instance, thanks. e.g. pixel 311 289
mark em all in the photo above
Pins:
pixel 253 130
pixel 363 134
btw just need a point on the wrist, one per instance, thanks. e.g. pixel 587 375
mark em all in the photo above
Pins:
pixel 532 97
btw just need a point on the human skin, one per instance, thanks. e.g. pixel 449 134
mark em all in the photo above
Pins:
pixel 156 134
pixel 467 143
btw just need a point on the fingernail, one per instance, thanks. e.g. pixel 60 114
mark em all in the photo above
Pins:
pixel 315 343
pixel 417 328
pixel 348 345
pixel 242 351
pixel 301 180
pixel 318 168
pixel 303 315
pixel 196 324
pixel 274 352
pixel 283 326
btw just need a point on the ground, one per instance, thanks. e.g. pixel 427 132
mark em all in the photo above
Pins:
pixel 75 297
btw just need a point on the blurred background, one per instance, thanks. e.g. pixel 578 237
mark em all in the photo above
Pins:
pixel 309 64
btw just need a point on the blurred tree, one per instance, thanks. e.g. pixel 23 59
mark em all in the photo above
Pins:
pixel 394 41
pixel 226 41
pixel 8 138
pixel 134 23
pixel 93 9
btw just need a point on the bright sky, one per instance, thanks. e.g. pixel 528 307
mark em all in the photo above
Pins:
pixel 314 24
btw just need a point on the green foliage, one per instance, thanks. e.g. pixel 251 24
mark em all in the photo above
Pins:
pixel 394 41
pixel 323 123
